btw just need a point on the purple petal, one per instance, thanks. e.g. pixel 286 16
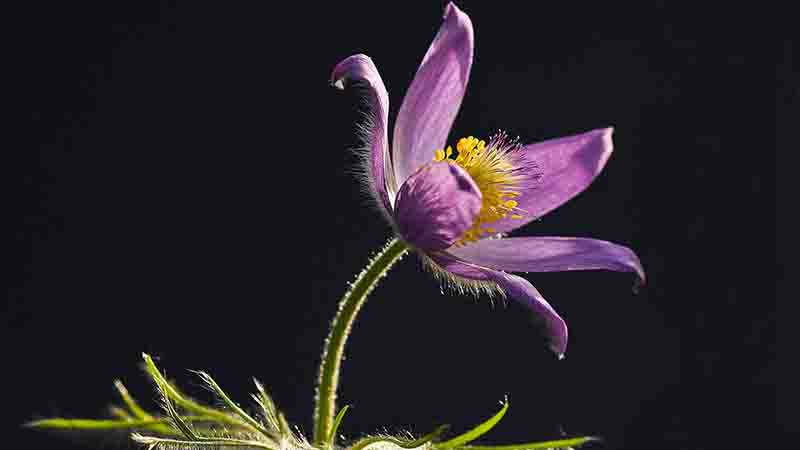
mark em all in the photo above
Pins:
pixel 523 292
pixel 436 205
pixel 432 101
pixel 550 254
pixel 518 289
pixel 564 167
pixel 360 68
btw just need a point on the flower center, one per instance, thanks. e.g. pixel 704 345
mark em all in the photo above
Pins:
pixel 493 170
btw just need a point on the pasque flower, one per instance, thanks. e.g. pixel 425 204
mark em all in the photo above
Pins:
pixel 454 206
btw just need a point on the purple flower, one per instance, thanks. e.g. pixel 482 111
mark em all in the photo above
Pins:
pixel 454 207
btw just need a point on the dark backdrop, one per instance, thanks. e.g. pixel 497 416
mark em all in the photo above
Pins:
pixel 182 185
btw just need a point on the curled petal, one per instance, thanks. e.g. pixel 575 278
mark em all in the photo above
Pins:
pixel 523 292
pixel 431 103
pixel 360 68
pixel 564 167
pixel 518 289
pixel 550 254
pixel 436 205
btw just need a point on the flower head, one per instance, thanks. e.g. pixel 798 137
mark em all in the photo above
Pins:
pixel 455 205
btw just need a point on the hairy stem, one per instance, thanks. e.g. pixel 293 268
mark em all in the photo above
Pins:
pixel 325 400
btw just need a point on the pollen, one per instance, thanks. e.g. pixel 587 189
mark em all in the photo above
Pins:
pixel 493 169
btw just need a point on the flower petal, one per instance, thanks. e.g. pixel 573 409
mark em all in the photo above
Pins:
pixel 523 292
pixel 564 167
pixel 436 205
pixel 550 254
pixel 432 101
pixel 360 68
pixel 517 288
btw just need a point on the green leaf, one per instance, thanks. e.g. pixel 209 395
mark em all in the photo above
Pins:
pixel 211 443
pixel 476 432
pixel 160 425
pixel 193 437
pixel 269 411
pixel 336 423
pixel 58 423
pixel 169 392
pixel 233 406
pixel 286 429
pixel 178 421
pixel 120 413
pixel 137 411
pixel 133 407
pixel 440 430
pixel 560 443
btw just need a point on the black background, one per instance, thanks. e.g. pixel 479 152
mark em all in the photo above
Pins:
pixel 182 185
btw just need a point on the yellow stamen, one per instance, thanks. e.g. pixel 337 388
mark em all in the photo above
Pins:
pixel 493 173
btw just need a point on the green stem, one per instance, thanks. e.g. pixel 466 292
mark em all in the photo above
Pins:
pixel 325 400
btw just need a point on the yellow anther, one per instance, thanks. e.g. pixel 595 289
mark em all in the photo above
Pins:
pixel 493 172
